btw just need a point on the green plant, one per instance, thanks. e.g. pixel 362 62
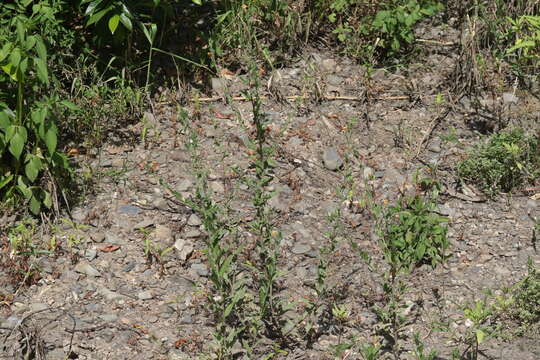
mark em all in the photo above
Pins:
pixel 370 352
pixel 478 315
pixel 229 290
pixel 506 161
pixel 526 50
pixel 411 233
pixel 31 166
pixel 419 349
pixel 396 23
pixel 526 297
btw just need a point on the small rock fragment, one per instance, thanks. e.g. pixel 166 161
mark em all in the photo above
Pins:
pixel 331 159
pixel 87 269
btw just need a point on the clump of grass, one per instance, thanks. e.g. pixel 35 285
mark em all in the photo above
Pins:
pixel 507 161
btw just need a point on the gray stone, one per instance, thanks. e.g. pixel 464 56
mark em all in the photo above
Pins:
pixel 200 269
pixel 331 159
pixel 79 215
pixel 160 203
pixel 128 210
pixel 194 220
pixel 179 155
pixel 97 236
pixel 86 269
pixel 38 307
pixel 509 98
pixel 108 317
pixel 218 86
pixel 300 248
pixel 90 254
pixel 334 80
pixel 217 187
pixel 328 65
pixel 184 185
pixel 110 295
pixel 176 354
pixel 163 234
pixel 129 267
pixel 192 233
pixel 145 295
pixel 184 248
pixel 368 173
pixel 144 224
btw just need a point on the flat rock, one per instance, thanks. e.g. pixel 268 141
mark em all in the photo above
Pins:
pixel 163 234
pixel 145 295
pixel 184 248
pixel 331 159
pixel 86 269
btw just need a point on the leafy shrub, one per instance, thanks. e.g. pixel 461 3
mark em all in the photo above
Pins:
pixel 507 161
pixel 376 29
pixel 527 297
pixel 30 163
pixel 411 234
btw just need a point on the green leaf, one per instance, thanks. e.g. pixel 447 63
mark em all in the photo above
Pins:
pixel 32 168
pixel 113 23
pixel 17 140
pixel 42 72
pixel 35 205
pixel 6 180
pixel 71 106
pixel 15 57
pixel 6 50
pixel 23 188
pixel 92 7
pixel 30 42
pixel 96 17
pixel 126 21
pixel 51 140
pixel 5 119
pixel 47 201
pixel 41 49
pixel 480 336
pixel 20 30
pixel 197 2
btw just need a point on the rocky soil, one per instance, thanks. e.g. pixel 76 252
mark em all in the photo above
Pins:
pixel 103 299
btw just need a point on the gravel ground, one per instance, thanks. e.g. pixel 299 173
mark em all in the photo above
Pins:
pixel 103 299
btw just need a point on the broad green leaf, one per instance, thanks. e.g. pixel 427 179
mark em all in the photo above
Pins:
pixel 32 167
pixel 23 188
pixel 41 49
pixel 5 119
pixel 47 200
pixel 41 68
pixel 197 2
pixel 20 31
pixel 96 17
pixel 17 141
pixel 51 140
pixel 6 50
pixel 23 65
pixel 11 71
pixel 35 205
pixel 15 57
pixel 93 6
pixel 30 42
pixel 113 23
pixel 126 21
